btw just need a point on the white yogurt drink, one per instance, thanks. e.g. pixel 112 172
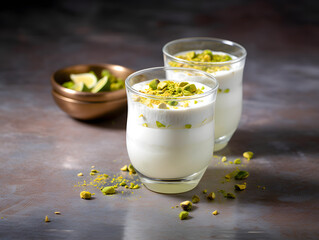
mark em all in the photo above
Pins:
pixel 170 137
pixel 225 60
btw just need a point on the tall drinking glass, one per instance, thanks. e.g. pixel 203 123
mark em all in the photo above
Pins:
pixel 228 71
pixel 170 130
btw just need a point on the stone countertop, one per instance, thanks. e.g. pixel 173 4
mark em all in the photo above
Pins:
pixel 42 149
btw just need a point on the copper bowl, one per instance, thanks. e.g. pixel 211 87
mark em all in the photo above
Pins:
pixel 86 105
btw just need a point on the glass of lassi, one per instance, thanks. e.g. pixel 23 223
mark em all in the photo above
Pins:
pixel 170 126
pixel 225 60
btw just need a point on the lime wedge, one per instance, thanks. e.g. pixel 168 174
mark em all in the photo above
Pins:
pixel 89 79
pixel 69 84
pixel 102 85
pixel 78 86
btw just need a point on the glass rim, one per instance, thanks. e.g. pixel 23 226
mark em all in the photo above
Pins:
pixel 223 41
pixel 183 98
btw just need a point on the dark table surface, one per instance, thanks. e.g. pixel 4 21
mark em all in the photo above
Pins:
pixel 42 149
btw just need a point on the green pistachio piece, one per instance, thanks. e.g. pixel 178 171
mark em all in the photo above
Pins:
pixel 153 84
pixel 160 125
pixel 211 196
pixel 187 93
pixel 190 87
pixel 237 161
pixel 123 183
pixel 205 191
pixel 188 126
pixel 162 85
pixel 182 84
pixel 183 215
pixel 85 195
pixel 240 187
pixel 186 205
pixel 230 195
pixel 172 103
pixel 195 199
pixel 226 90
pixel 248 155
pixel 190 55
pixel 108 190
pixel 131 169
pixel 241 175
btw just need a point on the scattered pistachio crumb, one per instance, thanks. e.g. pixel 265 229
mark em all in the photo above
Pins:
pixel 205 191
pixel 224 159
pixel 226 90
pixel 94 171
pixel 215 212
pixel 188 126
pixel 186 205
pixel 237 161
pixel 124 168
pixel 195 199
pixel 263 188
pixel 145 125
pixel 230 195
pixel 211 196
pixel 46 219
pixel 80 174
pixel 57 213
pixel 183 215
pixel 85 195
pixel 195 101
pixel 131 169
pixel 108 190
pixel 241 175
pixel 248 155
pixel 240 187
pixel 92 166
pixel 141 116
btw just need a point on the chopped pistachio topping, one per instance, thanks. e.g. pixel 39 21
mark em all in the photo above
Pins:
pixel 57 213
pixel 188 126
pixel 94 171
pixel 183 215
pixel 195 199
pixel 248 155
pixel 237 161
pixel 160 125
pixel 240 187
pixel 205 191
pixel 141 116
pixel 172 103
pixel 85 195
pixel 211 196
pixel 224 159
pixel 153 84
pixel 46 219
pixel 80 174
pixel 241 175
pixel 108 190
pixel 186 205
pixel 124 168
pixel 205 56
pixel 226 90
pixel 215 212
pixel 145 125
pixel 171 89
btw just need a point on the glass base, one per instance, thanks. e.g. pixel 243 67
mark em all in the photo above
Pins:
pixel 221 142
pixel 172 186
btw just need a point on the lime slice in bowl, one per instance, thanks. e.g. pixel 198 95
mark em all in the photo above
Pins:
pixel 78 87
pixel 102 85
pixel 89 79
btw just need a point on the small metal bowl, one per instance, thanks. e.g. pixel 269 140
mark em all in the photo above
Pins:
pixel 86 105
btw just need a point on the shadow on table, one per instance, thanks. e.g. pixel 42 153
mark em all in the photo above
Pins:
pixel 115 122
pixel 273 141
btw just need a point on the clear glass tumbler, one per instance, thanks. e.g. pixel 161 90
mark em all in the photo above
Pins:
pixel 170 140
pixel 229 75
